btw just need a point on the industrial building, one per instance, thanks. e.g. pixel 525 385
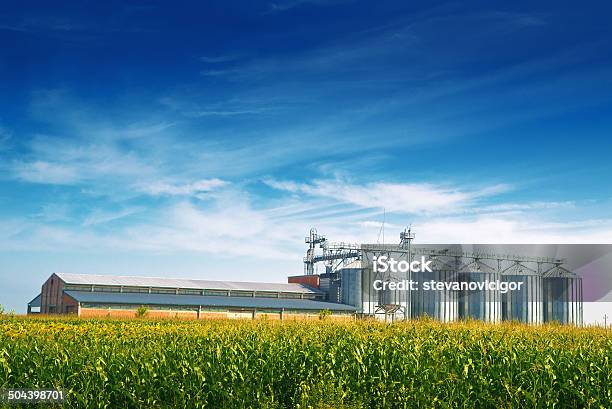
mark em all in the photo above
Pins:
pixel 548 292
pixel 121 296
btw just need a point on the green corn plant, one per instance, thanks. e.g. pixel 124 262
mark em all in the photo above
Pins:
pixel 310 364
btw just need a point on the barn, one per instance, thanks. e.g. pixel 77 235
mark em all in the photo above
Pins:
pixel 121 296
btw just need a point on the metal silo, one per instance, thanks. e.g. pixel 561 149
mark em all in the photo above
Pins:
pixel 350 285
pixel 369 296
pixel 357 289
pixel 524 304
pixel 482 304
pixel 384 304
pixel 562 296
pixel 441 305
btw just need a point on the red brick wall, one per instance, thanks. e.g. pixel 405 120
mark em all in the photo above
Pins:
pixel 121 313
pixel 131 313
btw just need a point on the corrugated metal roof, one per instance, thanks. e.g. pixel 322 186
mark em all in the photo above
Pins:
pixel 439 265
pixel 559 272
pixel 519 269
pixel 354 264
pixel 477 266
pixel 211 301
pixel 35 302
pixel 97 279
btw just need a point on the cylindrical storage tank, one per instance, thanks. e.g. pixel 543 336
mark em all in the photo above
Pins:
pixel 398 299
pixel 350 287
pixel 441 305
pixel 524 304
pixel 481 304
pixel 385 304
pixel 562 296
pixel 369 296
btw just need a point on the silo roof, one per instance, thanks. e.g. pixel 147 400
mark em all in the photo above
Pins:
pixel 477 266
pixel 558 271
pixel 354 264
pixel 439 265
pixel 519 269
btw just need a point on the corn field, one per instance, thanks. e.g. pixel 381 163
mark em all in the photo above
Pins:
pixel 235 364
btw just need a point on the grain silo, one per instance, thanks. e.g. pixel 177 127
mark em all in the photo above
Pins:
pixel 358 289
pixel 474 302
pixel 524 304
pixel 562 296
pixel 441 305
pixel 351 284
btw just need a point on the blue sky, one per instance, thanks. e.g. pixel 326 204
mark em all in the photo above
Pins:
pixel 204 139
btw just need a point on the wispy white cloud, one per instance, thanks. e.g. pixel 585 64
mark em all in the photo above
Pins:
pixel 218 73
pixel 143 130
pixel 284 5
pixel 224 108
pixel 54 211
pixel 218 59
pixel 142 156
pixel 97 153
pixel 515 18
pixel 88 149
pixel 46 172
pixel 5 137
pixel 69 162
pixel 189 189
pixel 513 230
pixel 41 24
pixel 406 198
pixel 98 216
pixel 232 226
pixel 416 37
pixel 229 227
pixel 528 206
pixel 225 113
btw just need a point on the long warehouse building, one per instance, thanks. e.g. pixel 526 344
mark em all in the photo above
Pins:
pixel 121 296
